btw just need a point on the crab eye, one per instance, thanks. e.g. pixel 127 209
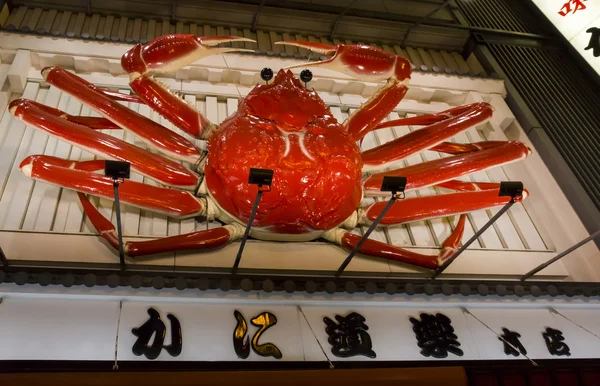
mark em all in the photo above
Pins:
pixel 306 76
pixel 266 74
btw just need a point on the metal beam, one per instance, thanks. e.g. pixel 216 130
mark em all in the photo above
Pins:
pixel 424 19
pixel 255 17
pixel 337 19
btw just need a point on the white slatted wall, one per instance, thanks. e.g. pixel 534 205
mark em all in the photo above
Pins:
pixel 30 206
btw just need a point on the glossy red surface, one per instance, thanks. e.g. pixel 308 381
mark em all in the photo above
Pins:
pixel 387 251
pixel 287 128
pixel 427 137
pixel 201 240
pixel 159 52
pixel 177 111
pixel 370 61
pixel 443 169
pixel 159 136
pixel 365 119
pixel 69 174
pixel 206 239
pixel 422 208
pixel 152 165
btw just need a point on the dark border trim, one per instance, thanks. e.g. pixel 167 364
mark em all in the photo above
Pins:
pixel 290 284
pixel 78 366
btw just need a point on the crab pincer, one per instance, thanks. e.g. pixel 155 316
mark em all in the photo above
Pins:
pixel 167 54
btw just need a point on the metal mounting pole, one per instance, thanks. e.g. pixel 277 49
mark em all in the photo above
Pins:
pixel 247 231
pixel 119 233
pixel 472 239
pixel 366 235
pixel 559 256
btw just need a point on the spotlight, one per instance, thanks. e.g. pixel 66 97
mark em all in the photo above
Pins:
pixel 389 184
pixel 393 184
pixel 260 176
pixel 117 170
pixel 511 189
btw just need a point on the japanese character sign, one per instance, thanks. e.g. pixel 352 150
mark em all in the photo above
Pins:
pixel 156 326
pixel 515 347
pixel 572 6
pixel 264 320
pixel 435 336
pixel 594 43
pixel 555 342
pixel 349 337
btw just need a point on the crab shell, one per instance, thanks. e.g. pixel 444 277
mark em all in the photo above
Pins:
pixel 287 128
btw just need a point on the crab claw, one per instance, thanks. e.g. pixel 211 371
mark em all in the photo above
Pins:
pixel 171 52
pixel 357 60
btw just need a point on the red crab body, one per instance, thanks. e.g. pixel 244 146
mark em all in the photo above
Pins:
pixel 318 181
pixel 317 166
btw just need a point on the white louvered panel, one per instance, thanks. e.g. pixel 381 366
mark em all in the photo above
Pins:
pixel 131 214
pixel 159 221
pixel 521 222
pixel 66 197
pixel 503 226
pixel 11 135
pixel 18 187
pixel 75 216
pixel 421 230
pixel 398 234
pixel 42 207
pixel 173 224
pixel 44 197
pixel 369 142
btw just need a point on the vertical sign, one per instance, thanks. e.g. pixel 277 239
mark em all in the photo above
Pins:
pixel 579 22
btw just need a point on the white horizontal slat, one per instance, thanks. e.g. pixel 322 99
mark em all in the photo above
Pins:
pixel 67 197
pixel 44 197
pixel 18 187
pixel 421 230
pixel 489 238
pixel 75 216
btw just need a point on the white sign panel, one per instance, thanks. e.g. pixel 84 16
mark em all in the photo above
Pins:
pixel 51 329
pixel 579 22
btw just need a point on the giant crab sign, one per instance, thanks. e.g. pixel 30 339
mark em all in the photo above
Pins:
pixel 284 126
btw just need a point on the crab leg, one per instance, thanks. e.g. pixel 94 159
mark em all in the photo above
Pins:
pixel 428 137
pixel 207 239
pixel 167 54
pixel 378 249
pixel 422 208
pixel 369 64
pixel 155 135
pixel 434 172
pixel 151 165
pixel 96 123
pixel 81 177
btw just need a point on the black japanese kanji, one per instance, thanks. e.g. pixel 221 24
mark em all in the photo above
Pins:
pixel 435 335
pixel 155 325
pixel 594 43
pixel 555 342
pixel 512 337
pixel 264 320
pixel 349 337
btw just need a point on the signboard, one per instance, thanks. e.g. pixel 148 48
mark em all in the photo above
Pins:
pixel 35 329
pixel 579 22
